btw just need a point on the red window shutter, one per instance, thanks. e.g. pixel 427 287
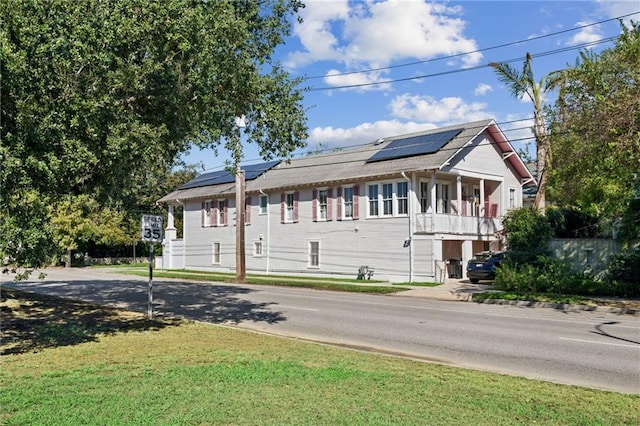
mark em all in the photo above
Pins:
pixel 356 197
pixel 247 210
pixel 296 199
pixel 314 206
pixel 339 204
pixel 329 204
pixel 202 215
pixel 283 206
pixel 226 212
pixel 494 210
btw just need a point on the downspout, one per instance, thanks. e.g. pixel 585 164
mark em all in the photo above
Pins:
pixel 410 214
pixel 268 231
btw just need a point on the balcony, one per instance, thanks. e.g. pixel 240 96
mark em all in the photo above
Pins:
pixel 463 224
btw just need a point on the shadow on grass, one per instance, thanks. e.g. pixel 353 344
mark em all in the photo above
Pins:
pixel 35 321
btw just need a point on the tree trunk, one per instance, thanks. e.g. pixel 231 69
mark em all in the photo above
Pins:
pixel 67 263
pixel 542 155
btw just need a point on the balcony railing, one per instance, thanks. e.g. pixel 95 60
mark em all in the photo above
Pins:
pixel 454 224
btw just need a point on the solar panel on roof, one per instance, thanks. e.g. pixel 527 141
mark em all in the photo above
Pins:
pixel 414 145
pixel 222 176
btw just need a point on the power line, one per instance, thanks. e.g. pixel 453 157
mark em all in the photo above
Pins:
pixel 477 67
pixel 499 46
pixel 541 54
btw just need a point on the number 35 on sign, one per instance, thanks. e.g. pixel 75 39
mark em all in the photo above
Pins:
pixel 151 228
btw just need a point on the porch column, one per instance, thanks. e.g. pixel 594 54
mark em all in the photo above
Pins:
pixel 467 253
pixel 170 234
pixel 170 219
pixel 439 267
pixel 433 200
pixel 481 207
pixel 459 201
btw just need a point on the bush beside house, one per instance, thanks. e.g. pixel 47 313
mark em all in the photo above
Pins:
pixel 531 267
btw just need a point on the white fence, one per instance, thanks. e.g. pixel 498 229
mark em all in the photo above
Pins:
pixel 587 254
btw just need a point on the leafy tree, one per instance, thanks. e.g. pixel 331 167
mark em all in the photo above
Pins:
pixel 25 233
pixel 569 222
pixel 98 96
pixel 522 83
pixel 81 219
pixel 598 150
pixel 527 232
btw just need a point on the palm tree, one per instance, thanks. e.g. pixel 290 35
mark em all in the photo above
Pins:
pixel 523 84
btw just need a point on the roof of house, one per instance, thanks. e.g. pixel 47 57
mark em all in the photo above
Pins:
pixel 427 150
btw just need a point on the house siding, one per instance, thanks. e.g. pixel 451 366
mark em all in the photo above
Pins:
pixel 479 180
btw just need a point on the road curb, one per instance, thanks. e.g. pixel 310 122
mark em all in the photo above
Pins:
pixel 620 310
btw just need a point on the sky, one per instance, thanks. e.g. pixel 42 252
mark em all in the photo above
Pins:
pixel 391 67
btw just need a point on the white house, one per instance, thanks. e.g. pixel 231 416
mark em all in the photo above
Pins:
pixel 412 207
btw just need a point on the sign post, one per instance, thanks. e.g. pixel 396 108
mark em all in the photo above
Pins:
pixel 152 233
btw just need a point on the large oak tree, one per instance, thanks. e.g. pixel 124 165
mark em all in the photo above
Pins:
pixel 97 95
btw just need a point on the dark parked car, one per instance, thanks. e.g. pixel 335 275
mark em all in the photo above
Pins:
pixel 483 266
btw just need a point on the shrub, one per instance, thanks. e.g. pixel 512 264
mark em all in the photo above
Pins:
pixel 623 273
pixel 527 231
pixel 555 276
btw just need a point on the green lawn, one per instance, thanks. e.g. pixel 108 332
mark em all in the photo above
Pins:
pixel 104 366
pixel 320 283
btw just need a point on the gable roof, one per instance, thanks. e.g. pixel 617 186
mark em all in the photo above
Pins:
pixel 356 163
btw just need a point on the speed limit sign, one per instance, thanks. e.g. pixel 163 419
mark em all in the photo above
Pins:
pixel 152 228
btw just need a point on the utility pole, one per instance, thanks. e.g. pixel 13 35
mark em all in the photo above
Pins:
pixel 241 273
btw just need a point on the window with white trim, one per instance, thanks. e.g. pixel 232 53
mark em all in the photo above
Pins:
pixel 207 206
pixel 476 200
pixel 264 204
pixel 314 254
pixel 221 212
pixel 216 253
pixel 393 196
pixel 257 248
pixel 289 207
pixel 425 192
pixel 402 196
pixel 373 200
pixel 387 199
pixel 347 196
pixel 290 200
pixel 443 198
pixel 512 198
pixel 322 204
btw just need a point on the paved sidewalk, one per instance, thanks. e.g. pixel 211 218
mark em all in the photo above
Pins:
pixel 461 290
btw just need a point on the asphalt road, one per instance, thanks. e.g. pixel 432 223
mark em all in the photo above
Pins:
pixel 586 348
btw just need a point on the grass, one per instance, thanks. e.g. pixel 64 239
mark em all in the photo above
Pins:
pixel 321 283
pixel 168 372
pixel 557 298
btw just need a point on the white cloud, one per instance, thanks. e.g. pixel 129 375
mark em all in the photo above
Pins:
pixel 613 9
pixel 363 133
pixel 586 34
pixel 374 34
pixel 411 114
pixel 365 81
pixel 445 110
pixel 482 89
pixel 315 32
